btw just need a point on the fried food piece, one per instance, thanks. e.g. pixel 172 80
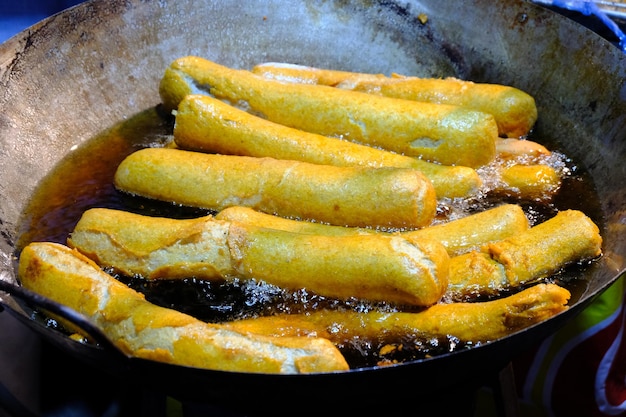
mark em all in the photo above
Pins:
pixel 206 124
pixel 570 236
pixel 344 196
pixel 475 274
pixel 514 110
pixel 142 329
pixel 508 148
pixel 539 252
pixel 293 73
pixel 457 236
pixel 371 267
pixel 449 135
pixel 469 322
pixel 534 181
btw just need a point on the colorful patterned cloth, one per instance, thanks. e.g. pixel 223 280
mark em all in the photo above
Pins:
pixel 580 370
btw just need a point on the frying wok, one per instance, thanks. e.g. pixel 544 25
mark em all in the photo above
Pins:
pixel 80 72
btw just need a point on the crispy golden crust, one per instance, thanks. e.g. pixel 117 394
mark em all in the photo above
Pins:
pixel 469 322
pixel 514 110
pixel 376 267
pixel 534 181
pixel 449 135
pixel 457 236
pixel 570 236
pixel 148 331
pixel 206 124
pixel 371 267
pixel 525 257
pixel 345 196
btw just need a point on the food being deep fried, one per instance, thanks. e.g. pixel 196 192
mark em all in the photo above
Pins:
pixel 457 236
pixel 469 322
pixel 539 252
pixel 373 267
pixel 144 330
pixel 570 236
pixel 206 124
pixel 514 110
pixel 534 181
pixel 344 196
pixel 445 134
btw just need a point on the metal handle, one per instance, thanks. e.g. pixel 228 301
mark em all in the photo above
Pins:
pixel 39 302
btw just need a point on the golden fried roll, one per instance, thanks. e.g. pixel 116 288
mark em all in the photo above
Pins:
pixel 449 135
pixel 345 196
pixel 511 148
pixel 154 247
pixel 372 267
pixel 570 236
pixel 206 124
pixel 457 236
pixel 389 268
pixel 144 330
pixel 514 110
pixel 475 274
pixel 535 181
pixel 293 73
pixel 469 322
pixel 246 215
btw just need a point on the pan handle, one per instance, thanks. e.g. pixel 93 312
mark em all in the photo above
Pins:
pixel 39 302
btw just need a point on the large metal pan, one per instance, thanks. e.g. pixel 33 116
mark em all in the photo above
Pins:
pixel 77 73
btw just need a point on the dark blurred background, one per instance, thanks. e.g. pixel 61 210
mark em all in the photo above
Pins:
pixel 17 15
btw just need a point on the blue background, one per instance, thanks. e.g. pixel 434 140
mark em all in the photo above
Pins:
pixel 17 15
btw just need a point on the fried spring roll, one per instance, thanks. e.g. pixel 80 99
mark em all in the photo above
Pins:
pixel 371 267
pixel 514 110
pixel 445 134
pixel 206 124
pixel 469 322
pixel 457 236
pixel 345 196
pixel 144 330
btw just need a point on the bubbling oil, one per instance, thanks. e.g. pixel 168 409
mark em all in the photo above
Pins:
pixel 84 180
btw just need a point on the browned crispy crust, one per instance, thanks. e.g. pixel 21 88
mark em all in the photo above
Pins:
pixel 469 322
pixel 376 267
pixel 344 196
pixel 148 331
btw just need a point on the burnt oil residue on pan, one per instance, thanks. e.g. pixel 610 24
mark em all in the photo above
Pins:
pixel 69 89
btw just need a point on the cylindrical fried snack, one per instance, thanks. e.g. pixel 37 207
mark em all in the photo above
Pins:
pixel 511 147
pixel 446 134
pixel 469 322
pixel 534 181
pixel 206 124
pixel 457 236
pixel 570 236
pixel 475 274
pixel 373 267
pixel 514 110
pixel 293 73
pixel 345 196
pixel 144 330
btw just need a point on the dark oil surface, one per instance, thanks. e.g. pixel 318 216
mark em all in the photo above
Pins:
pixel 84 180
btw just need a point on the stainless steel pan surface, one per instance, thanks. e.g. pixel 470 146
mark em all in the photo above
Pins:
pixel 80 72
